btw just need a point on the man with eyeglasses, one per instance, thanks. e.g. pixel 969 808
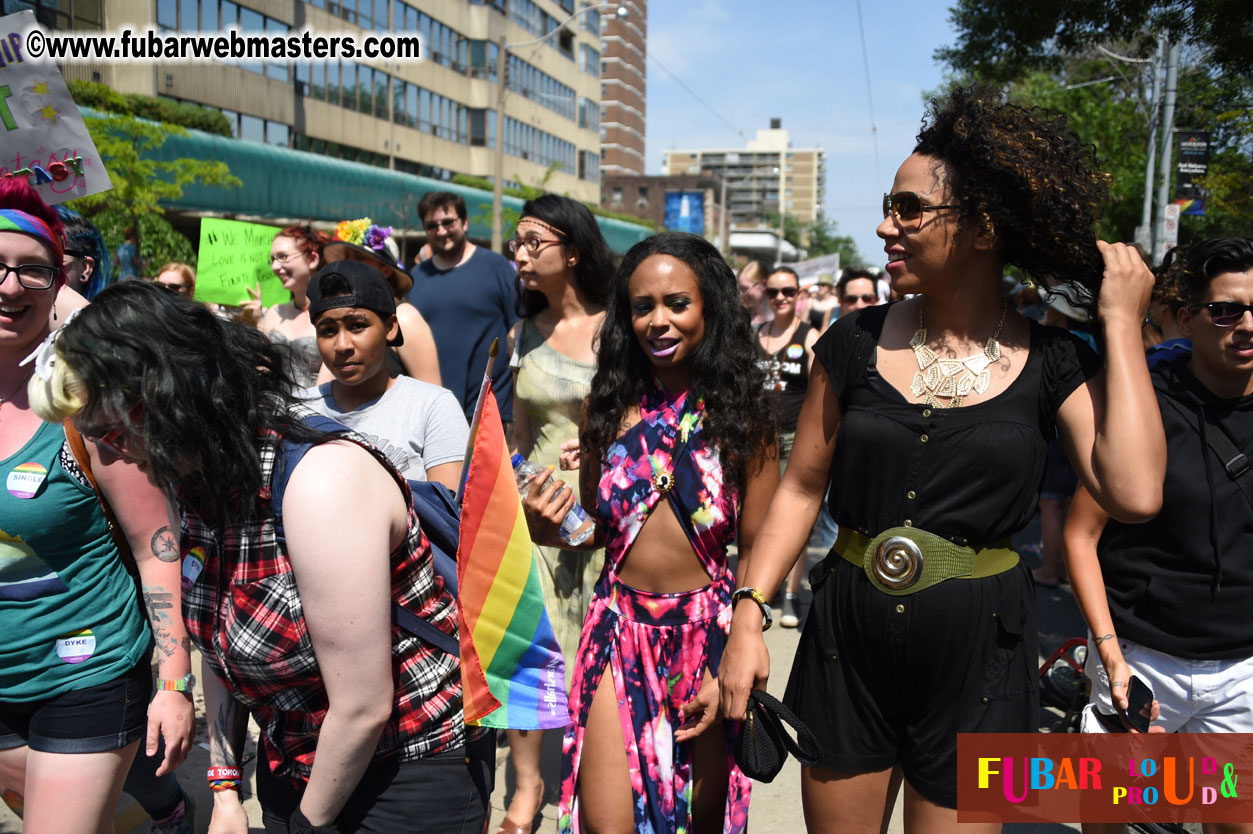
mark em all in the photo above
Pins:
pixel 856 289
pixel 467 295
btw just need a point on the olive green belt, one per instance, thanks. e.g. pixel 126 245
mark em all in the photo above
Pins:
pixel 905 560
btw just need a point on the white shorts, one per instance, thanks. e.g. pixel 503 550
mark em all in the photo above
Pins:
pixel 1195 696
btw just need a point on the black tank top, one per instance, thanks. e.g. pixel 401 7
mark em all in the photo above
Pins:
pixel 788 376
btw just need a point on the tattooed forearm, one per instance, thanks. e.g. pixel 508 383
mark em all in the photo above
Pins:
pixel 227 734
pixel 165 545
pixel 159 604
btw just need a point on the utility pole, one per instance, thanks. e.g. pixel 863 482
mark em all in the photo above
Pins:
pixel 498 157
pixel 1168 137
pixel 1147 230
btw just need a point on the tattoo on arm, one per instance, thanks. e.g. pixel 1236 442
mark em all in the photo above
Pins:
pixel 165 545
pixel 1098 641
pixel 228 732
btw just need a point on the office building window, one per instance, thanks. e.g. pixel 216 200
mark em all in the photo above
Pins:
pixel 589 20
pixel 277 133
pixel 589 114
pixel 617 195
pixel 273 69
pixel 589 60
pixel 251 128
pixel 589 167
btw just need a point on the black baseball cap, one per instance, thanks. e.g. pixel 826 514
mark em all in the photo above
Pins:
pixel 367 289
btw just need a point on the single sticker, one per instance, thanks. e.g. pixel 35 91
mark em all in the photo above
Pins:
pixel 193 564
pixel 795 351
pixel 25 479
pixel 76 646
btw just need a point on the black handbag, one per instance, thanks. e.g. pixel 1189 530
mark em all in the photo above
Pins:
pixel 764 742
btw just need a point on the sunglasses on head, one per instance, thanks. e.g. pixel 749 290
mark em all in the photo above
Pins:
pixel 773 292
pixel 907 206
pixel 864 299
pixel 1224 313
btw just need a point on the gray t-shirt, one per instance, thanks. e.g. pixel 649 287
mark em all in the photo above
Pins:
pixel 416 424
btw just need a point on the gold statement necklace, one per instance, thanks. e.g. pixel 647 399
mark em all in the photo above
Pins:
pixel 952 379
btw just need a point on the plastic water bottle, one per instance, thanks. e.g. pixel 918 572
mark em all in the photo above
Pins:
pixel 576 527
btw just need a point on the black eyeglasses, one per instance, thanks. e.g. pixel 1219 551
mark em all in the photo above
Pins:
pixel 32 276
pixel 864 299
pixel 1224 313
pixel 773 292
pixel 907 207
pixel 446 223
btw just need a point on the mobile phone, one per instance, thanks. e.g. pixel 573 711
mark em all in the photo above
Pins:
pixel 1139 698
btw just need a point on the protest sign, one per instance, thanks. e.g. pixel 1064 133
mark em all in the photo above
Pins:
pixel 234 257
pixel 42 134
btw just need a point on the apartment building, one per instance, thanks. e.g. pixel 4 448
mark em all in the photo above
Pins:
pixel 766 176
pixel 433 118
pixel 623 88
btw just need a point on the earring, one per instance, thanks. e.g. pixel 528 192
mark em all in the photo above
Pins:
pixel 54 312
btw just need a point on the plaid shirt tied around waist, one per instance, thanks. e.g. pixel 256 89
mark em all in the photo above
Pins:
pixel 244 613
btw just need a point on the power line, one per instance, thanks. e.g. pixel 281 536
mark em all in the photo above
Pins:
pixel 693 94
pixel 865 59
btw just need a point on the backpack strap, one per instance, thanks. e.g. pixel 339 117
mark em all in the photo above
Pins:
pixel 1234 462
pixel 291 453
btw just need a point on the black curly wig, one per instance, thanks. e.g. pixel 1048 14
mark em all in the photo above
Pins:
pixel 1022 173
pixel 208 388
pixel 739 418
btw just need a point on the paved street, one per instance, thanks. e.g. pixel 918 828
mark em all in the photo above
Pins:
pixel 775 806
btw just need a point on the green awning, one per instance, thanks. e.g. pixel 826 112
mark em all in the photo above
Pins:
pixel 284 183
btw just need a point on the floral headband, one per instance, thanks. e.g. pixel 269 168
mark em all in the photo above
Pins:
pixel 363 232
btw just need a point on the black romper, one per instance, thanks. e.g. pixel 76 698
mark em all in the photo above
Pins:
pixel 884 679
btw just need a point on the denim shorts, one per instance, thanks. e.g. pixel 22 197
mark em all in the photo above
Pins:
pixel 105 717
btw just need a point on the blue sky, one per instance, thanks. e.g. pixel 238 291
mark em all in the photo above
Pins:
pixel 801 61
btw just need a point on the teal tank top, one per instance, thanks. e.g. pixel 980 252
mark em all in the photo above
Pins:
pixel 68 615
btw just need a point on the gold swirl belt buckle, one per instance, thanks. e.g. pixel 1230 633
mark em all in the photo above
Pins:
pixel 906 560
pixel 897 563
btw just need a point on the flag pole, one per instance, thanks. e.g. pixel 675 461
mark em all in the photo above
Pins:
pixel 484 389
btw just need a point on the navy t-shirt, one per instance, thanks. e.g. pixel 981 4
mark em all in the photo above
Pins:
pixel 467 307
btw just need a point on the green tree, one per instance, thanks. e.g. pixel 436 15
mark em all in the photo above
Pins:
pixel 1003 40
pixel 141 184
pixel 823 240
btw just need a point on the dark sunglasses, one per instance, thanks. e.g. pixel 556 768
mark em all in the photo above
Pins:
pixel 446 223
pixel 864 299
pixel 773 292
pixel 906 206
pixel 1224 313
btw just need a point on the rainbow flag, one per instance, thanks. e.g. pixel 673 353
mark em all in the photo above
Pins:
pixel 512 672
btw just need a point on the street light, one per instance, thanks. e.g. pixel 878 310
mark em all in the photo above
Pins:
pixel 498 160
pixel 726 221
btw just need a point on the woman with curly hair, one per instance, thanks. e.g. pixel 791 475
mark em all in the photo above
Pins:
pixel 677 415
pixel 923 618
pixel 361 720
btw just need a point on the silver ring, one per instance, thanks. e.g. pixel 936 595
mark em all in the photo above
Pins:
pixel 897 562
